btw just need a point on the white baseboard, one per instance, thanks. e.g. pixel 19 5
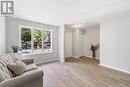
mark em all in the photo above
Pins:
pixel 81 56
pixel 121 70
pixel 50 60
pixel 75 57
pixel 72 57
pixel 92 57
pixel 61 60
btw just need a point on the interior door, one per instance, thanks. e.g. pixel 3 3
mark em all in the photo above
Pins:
pixel 81 44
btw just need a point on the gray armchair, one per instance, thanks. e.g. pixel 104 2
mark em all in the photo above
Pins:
pixel 31 78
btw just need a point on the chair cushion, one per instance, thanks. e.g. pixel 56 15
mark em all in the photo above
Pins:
pixel 18 67
pixel 31 67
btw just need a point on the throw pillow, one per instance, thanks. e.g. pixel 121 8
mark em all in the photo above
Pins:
pixel 18 67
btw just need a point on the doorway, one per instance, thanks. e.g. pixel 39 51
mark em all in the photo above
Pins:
pixel 79 40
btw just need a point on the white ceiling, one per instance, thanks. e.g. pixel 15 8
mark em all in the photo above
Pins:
pixel 59 12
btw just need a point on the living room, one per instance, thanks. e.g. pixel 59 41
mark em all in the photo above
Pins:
pixel 65 43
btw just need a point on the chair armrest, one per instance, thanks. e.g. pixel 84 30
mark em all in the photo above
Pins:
pixel 23 80
pixel 28 61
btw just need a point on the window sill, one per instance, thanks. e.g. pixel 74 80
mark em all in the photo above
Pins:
pixel 36 53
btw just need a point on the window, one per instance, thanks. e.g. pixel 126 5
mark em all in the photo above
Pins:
pixel 37 40
pixel 34 40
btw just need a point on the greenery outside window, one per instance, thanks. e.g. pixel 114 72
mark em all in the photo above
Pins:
pixel 34 40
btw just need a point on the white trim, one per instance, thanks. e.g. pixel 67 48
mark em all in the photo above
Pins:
pixel 23 26
pixel 32 39
pixel 62 60
pixel 51 48
pixel 98 58
pixel 19 36
pixel 37 53
pixel 75 57
pixel 46 61
pixel 121 70
pixel 92 57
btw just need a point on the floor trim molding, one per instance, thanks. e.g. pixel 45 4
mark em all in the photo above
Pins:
pixel 46 61
pixel 72 57
pixel 121 70
pixel 91 57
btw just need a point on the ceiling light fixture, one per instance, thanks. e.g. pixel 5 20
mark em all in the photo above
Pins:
pixel 77 25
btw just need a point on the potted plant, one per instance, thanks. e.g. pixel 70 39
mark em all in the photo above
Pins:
pixel 93 49
pixel 16 49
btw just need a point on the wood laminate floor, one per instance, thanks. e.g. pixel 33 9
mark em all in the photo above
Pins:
pixel 83 72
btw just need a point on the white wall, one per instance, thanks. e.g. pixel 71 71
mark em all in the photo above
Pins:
pixel 68 42
pixel 115 41
pixel 92 36
pixel 2 35
pixel 61 33
pixel 12 37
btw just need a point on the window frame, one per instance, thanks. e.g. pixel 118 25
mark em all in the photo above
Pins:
pixel 32 44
